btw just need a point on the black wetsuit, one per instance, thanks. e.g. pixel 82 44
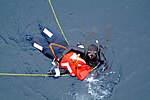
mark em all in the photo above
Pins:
pixel 99 59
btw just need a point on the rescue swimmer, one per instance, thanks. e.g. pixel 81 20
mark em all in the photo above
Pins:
pixel 75 60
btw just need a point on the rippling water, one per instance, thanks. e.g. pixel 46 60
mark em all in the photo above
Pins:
pixel 124 23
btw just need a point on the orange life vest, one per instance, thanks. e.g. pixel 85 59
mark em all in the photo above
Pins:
pixel 75 65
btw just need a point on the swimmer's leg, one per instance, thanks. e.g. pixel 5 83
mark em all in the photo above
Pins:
pixel 48 35
pixel 43 46
pixel 53 37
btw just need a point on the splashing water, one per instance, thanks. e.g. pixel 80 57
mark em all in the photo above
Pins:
pixel 99 86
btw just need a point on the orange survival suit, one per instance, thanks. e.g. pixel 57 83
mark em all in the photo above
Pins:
pixel 75 65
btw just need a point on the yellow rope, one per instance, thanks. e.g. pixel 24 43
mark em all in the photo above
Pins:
pixel 50 3
pixel 39 75
pixel 94 68
pixel 36 75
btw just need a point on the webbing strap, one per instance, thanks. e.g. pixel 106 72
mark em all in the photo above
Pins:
pixel 53 52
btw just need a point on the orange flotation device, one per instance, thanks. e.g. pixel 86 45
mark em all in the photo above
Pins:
pixel 75 65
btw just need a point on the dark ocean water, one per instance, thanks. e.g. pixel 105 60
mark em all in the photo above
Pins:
pixel 125 24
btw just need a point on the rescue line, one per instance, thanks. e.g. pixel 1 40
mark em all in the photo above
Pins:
pixel 36 75
pixel 30 75
pixel 57 21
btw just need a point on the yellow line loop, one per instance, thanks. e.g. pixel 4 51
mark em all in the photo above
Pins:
pixel 50 3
